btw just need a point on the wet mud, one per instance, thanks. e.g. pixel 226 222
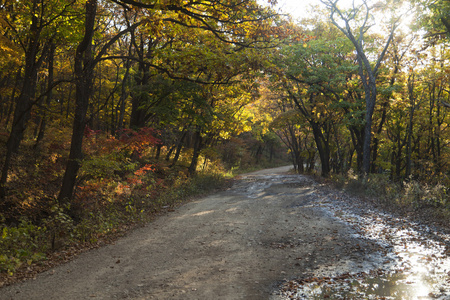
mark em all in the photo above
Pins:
pixel 411 262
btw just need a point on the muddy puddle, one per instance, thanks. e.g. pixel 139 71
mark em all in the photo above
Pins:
pixel 412 261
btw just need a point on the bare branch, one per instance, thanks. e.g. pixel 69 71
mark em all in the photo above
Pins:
pixel 386 46
pixel 115 38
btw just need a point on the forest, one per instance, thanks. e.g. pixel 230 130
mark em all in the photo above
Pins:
pixel 112 111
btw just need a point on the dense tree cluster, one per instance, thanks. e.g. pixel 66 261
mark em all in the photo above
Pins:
pixel 348 89
pixel 183 68
pixel 370 92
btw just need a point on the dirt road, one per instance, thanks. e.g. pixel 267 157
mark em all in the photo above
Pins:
pixel 237 244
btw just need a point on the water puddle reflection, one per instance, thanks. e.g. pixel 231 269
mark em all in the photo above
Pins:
pixel 415 262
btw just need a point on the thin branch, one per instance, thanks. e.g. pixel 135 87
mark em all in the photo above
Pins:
pixel 386 46
pixel 170 74
pixel 114 39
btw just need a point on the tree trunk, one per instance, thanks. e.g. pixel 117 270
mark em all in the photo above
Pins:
pixel 384 109
pixel 357 135
pixel 158 151
pixel 43 124
pixel 440 121
pixel 24 102
pixel 412 104
pixel 367 71
pixel 370 89
pixel 83 66
pixel 294 161
pixel 179 146
pixel 398 161
pixel 197 148
pixel 366 144
pixel 123 96
pixel 379 130
pixel 323 148
pixel 311 161
pixel 322 143
pixel 169 153
pixel 299 161
pixel 138 114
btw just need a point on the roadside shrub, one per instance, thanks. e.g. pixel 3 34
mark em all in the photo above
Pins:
pixel 410 194
pixel 99 167
pixel 25 243
pixel 119 185
pixel 422 195
pixel 379 185
pixel 59 226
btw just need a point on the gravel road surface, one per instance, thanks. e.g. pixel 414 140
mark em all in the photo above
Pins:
pixel 237 244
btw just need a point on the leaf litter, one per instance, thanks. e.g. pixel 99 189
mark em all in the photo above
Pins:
pixel 412 261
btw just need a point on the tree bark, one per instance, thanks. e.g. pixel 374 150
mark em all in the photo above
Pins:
pixel 178 149
pixel 322 142
pixel 43 124
pixel 84 67
pixel 323 148
pixel 12 97
pixel 412 107
pixel 25 100
pixel 123 96
pixel 138 113
pixel 197 148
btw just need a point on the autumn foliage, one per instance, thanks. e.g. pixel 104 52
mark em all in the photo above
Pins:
pixel 111 111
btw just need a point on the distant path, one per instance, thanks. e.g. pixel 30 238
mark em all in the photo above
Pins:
pixel 236 244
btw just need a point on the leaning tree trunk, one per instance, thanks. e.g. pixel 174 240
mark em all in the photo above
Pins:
pixel 412 104
pixel 384 109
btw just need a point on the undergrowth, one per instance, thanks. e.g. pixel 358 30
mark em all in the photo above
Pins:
pixel 27 243
pixel 120 185
pixel 411 195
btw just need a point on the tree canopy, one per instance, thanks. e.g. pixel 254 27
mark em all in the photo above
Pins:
pixel 344 89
